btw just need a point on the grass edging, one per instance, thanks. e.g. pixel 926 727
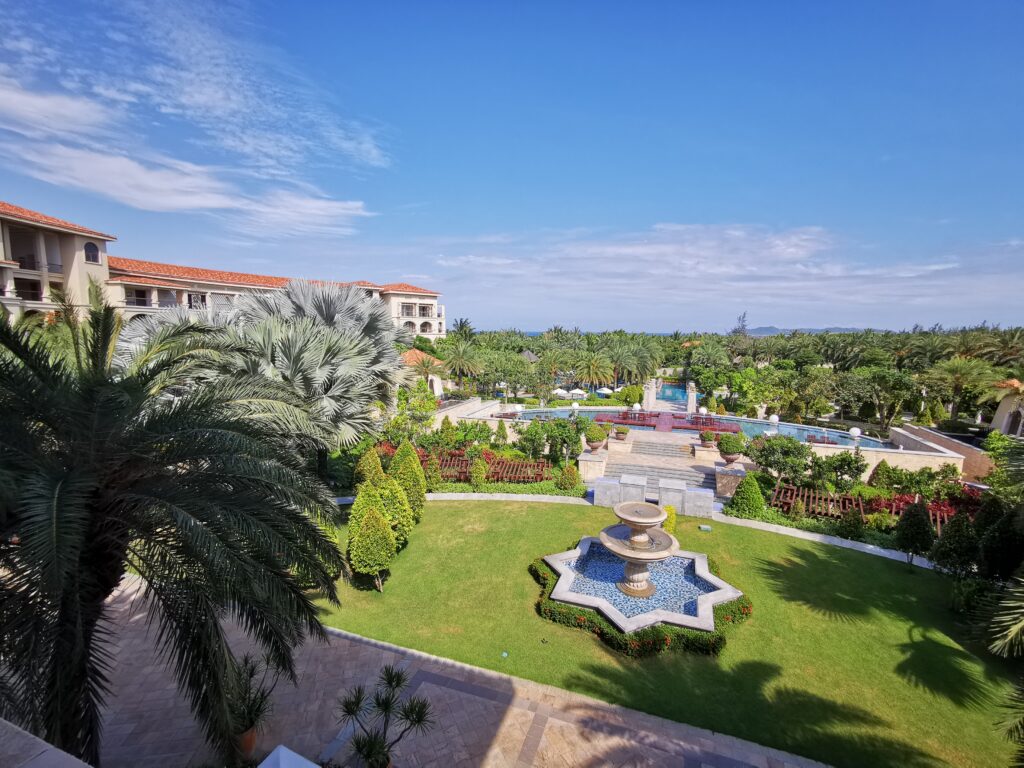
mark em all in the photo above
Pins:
pixel 648 641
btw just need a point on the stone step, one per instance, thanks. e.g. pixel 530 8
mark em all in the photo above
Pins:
pixel 694 478
pixel 641 448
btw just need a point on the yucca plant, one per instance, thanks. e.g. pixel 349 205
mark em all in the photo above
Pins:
pixel 378 714
pixel 135 459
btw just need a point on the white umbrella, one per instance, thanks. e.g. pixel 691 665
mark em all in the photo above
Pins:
pixel 501 385
pixel 636 406
pixel 577 393
pixel 604 391
pixel 559 392
pixel 618 389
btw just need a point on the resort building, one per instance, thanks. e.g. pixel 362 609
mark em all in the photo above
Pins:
pixel 1009 415
pixel 40 253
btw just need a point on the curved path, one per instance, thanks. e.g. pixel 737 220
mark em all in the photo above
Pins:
pixel 483 718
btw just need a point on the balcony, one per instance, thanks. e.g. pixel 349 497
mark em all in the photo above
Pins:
pixel 136 302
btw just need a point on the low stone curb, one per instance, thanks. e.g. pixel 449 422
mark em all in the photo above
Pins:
pixel 508 497
pixel 821 538
pixel 716 516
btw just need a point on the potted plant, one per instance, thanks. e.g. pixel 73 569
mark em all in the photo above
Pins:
pixel 621 431
pixel 376 714
pixel 707 438
pixel 251 682
pixel 594 435
pixel 731 447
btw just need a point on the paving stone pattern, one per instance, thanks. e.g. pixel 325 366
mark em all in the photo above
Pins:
pixel 483 718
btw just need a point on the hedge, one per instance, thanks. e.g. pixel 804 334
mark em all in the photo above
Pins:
pixel 545 488
pixel 648 641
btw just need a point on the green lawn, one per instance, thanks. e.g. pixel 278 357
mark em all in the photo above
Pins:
pixel 849 659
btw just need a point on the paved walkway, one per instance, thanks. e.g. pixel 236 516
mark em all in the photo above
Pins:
pixel 483 718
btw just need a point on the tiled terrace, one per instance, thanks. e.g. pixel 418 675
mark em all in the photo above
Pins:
pixel 483 718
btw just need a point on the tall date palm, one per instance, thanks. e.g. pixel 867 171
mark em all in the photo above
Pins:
pixel 118 460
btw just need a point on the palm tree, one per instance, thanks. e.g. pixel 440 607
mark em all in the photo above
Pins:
pixel 1006 347
pixel 334 345
pixel 1012 386
pixel 961 374
pixel 462 360
pixel 462 328
pixel 426 366
pixel 593 368
pixel 118 460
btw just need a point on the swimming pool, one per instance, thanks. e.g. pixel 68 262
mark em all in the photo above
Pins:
pixel 750 427
pixel 674 393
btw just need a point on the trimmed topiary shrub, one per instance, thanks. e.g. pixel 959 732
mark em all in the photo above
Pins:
pixel 568 478
pixel 669 526
pixel 432 475
pixel 594 433
pixel 747 501
pixel 956 550
pixel 369 468
pixel 645 642
pixel 408 473
pixel 765 481
pixel 373 548
pixel 477 473
pixel 730 443
pixel 797 511
pixel 500 438
pixel 720 410
pixel 850 525
pixel 396 510
pixel 1002 547
pixel 367 497
pixel 914 532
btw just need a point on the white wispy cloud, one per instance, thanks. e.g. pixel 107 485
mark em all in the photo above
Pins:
pixel 696 275
pixel 99 123
pixel 471 260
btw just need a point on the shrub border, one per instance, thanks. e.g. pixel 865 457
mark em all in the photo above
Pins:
pixel 648 641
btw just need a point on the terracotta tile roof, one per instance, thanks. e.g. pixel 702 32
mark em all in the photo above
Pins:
pixel 135 280
pixel 138 266
pixel 406 288
pixel 1009 384
pixel 412 356
pixel 200 274
pixel 34 217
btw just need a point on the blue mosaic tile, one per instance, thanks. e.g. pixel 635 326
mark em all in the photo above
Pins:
pixel 678 585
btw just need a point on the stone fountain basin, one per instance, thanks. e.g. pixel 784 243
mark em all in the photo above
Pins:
pixel 616 539
pixel 722 592
pixel 640 514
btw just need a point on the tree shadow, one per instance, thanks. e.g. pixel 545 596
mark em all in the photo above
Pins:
pixel 743 702
pixel 940 668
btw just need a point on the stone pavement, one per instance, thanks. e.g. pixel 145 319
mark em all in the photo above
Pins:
pixel 483 718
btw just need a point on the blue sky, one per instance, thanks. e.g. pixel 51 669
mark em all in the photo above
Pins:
pixel 651 166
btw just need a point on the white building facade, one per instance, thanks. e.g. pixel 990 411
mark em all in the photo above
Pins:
pixel 41 253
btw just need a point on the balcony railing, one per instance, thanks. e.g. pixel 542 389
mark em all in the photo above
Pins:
pixel 132 302
pixel 27 295
pixel 27 262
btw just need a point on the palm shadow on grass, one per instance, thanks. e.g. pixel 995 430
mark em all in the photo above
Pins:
pixel 847 587
pixel 940 668
pixel 742 702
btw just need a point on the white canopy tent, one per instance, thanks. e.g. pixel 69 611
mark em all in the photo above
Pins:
pixel 577 394
pixel 604 391
pixel 559 392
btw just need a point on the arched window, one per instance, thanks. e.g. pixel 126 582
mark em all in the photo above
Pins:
pixel 426 328
pixel 410 327
pixel 92 253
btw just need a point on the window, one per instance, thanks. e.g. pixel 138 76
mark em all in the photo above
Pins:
pixel 136 297
pixel 426 310
pixel 411 327
pixel 197 301
pixel 426 328
pixel 408 310
pixel 92 253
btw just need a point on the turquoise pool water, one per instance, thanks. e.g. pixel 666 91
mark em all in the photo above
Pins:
pixel 750 427
pixel 674 393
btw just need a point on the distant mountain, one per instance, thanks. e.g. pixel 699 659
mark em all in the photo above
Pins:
pixel 771 330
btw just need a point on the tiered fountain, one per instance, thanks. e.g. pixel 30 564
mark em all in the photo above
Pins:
pixel 639 540
pixel 636 575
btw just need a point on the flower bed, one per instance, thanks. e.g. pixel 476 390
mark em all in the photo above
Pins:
pixel 940 511
pixel 648 641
